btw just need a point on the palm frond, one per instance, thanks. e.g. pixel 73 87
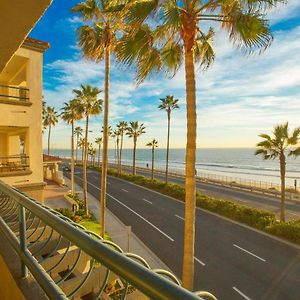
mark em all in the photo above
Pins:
pixel 203 50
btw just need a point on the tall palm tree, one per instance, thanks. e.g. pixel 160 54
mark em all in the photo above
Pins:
pixel 176 37
pixel 134 130
pixel 122 126
pixel 281 145
pixel 72 111
pixel 98 39
pixel 168 104
pixel 78 132
pixel 98 141
pixel 91 106
pixel 50 119
pixel 153 144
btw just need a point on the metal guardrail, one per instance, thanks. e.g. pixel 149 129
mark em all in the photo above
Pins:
pixel 14 163
pixel 66 259
pixel 10 92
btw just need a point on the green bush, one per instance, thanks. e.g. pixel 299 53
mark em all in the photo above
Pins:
pixel 77 199
pixel 289 230
pixel 66 212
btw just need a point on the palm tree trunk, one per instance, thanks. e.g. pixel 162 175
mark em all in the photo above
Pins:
pixel 99 149
pixel 152 171
pixel 282 177
pixel 72 158
pixel 49 133
pixel 134 149
pixel 168 145
pixel 76 149
pixel 105 142
pixel 85 157
pixel 118 154
pixel 190 182
pixel 121 148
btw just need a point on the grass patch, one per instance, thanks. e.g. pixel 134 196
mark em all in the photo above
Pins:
pixel 95 227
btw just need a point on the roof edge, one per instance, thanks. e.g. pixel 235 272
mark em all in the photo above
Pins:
pixel 34 44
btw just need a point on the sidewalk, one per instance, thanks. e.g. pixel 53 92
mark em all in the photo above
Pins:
pixel 54 195
pixel 122 234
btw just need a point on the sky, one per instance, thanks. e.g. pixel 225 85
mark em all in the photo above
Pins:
pixel 239 97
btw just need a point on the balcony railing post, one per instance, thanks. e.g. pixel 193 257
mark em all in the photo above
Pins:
pixel 22 232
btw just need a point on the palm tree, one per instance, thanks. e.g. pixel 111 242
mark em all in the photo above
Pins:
pixel 91 106
pixel 153 144
pixel 78 132
pixel 168 104
pixel 122 126
pixel 116 134
pixel 50 119
pixel 279 146
pixel 92 153
pixel 134 130
pixel 176 37
pixel 98 39
pixel 81 144
pixel 98 141
pixel 72 111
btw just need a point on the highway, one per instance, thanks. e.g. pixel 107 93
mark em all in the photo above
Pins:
pixel 231 261
pixel 265 202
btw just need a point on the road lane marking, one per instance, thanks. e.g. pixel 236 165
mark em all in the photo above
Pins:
pixel 242 294
pixel 147 201
pixel 199 261
pixel 148 222
pixel 249 252
pixel 181 218
pixel 125 191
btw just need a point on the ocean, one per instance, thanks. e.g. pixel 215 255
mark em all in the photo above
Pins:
pixel 234 163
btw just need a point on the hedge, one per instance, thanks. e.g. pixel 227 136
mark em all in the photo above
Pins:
pixel 256 218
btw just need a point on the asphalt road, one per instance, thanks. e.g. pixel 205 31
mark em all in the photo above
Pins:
pixel 231 261
pixel 244 197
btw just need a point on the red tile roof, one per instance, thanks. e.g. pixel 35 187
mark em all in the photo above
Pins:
pixel 49 158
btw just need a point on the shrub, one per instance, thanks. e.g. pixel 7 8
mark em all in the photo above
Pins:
pixel 77 199
pixel 289 230
pixel 66 212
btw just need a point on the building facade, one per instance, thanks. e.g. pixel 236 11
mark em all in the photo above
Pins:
pixel 21 158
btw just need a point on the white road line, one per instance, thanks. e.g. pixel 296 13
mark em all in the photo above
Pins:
pixel 125 191
pixel 249 252
pixel 147 201
pixel 134 213
pixel 181 218
pixel 199 261
pixel 242 294
pixel 142 218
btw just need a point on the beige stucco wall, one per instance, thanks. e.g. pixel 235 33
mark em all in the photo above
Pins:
pixel 28 117
pixel 9 290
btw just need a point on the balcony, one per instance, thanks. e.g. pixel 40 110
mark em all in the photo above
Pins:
pixel 67 261
pixel 14 165
pixel 14 95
